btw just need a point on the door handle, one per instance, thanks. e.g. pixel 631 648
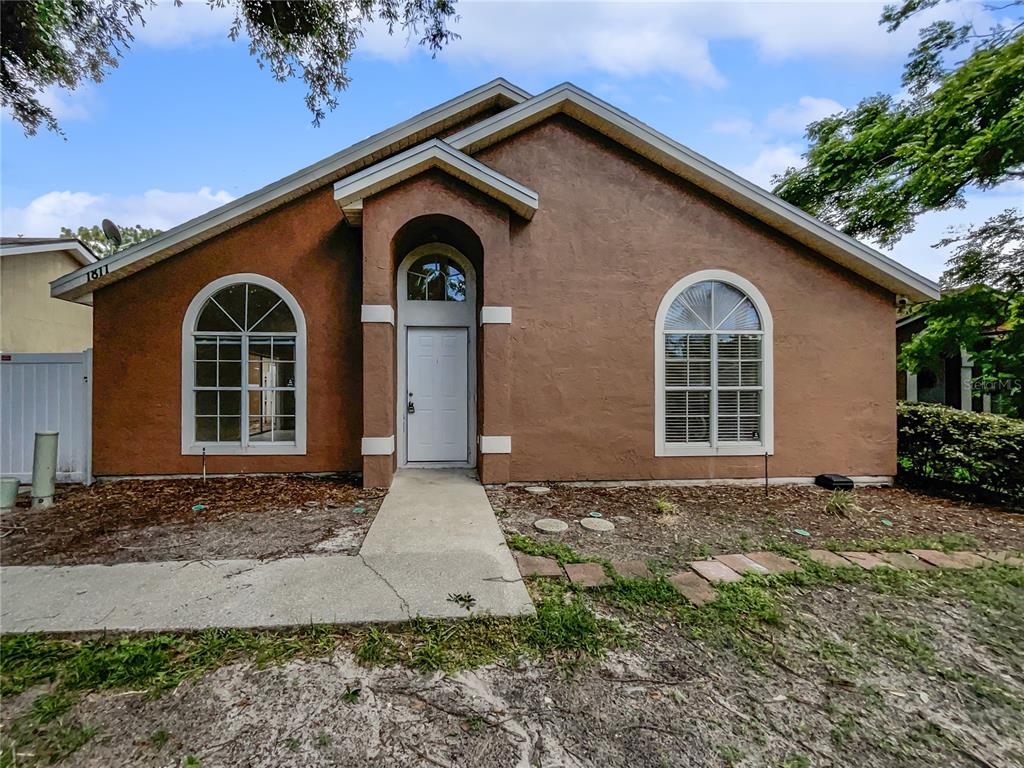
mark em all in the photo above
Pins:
pixel 412 407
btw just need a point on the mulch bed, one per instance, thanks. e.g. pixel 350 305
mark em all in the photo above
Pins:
pixel 720 519
pixel 189 519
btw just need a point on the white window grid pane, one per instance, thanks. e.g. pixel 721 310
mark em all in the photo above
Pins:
pixel 688 380
pixel 226 346
pixel 738 386
pixel 734 409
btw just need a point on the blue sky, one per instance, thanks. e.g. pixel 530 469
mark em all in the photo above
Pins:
pixel 188 121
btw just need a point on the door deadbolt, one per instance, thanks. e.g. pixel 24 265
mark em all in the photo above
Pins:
pixel 412 407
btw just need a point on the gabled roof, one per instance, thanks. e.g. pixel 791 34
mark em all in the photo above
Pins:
pixel 518 112
pixel 350 191
pixel 722 183
pixel 496 94
pixel 74 247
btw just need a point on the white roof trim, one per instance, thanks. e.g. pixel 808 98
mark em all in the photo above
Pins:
pixel 498 92
pixel 699 170
pixel 72 247
pixel 435 154
pixel 908 319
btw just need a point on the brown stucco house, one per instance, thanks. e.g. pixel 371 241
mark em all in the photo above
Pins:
pixel 540 287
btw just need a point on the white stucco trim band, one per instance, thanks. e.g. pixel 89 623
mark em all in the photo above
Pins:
pixel 495 315
pixel 377 313
pixel 378 446
pixel 495 444
pixel 435 154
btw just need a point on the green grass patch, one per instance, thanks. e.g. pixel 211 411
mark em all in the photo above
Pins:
pixel 565 629
pixel 560 552
pixel 154 662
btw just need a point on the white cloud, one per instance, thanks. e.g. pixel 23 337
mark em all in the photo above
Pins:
pixel 45 215
pixel 65 105
pixel 618 39
pixel 629 39
pixel 739 126
pixel 169 26
pixel 794 118
pixel 915 250
pixel 622 39
pixel 69 105
pixel 770 162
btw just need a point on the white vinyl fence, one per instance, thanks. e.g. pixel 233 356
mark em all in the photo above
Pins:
pixel 46 393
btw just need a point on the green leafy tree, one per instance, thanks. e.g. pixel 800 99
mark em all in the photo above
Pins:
pixel 65 43
pixel 873 170
pixel 982 309
pixel 94 238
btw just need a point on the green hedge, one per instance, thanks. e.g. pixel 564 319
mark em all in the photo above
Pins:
pixel 974 454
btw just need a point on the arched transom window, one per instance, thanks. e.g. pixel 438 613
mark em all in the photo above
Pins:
pixel 244 367
pixel 436 278
pixel 714 362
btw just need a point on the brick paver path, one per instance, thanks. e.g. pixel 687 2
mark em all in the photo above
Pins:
pixel 905 561
pixel 742 564
pixel 586 574
pixel 692 587
pixel 715 571
pixel 865 560
pixel 534 565
pixel 632 569
pixel 697 584
pixel 827 558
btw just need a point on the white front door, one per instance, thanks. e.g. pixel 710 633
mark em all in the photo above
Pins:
pixel 437 403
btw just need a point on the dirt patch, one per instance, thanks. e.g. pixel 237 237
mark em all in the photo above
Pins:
pixel 855 678
pixel 189 519
pixel 674 524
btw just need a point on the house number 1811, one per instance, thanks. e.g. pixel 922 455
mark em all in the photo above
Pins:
pixel 101 270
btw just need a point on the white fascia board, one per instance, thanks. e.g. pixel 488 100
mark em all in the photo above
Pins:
pixel 436 154
pixel 497 92
pixel 699 170
pixel 79 252
pixel 353 213
pixel 908 320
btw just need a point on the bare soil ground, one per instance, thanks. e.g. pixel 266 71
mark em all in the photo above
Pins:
pixel 696 521
pixel 856 678
pixel 189 519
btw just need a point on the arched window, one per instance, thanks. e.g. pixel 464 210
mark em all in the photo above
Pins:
pixel 436 277
pixel 713 368
pixel 243 369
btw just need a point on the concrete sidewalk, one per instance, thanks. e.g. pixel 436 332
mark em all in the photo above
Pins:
pixel 435 535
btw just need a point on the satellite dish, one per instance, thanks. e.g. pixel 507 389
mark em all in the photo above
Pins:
pixel 111 232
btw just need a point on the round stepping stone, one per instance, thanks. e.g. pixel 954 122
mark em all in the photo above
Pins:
pixel 597 524
pixel 550 525
pixel 537 490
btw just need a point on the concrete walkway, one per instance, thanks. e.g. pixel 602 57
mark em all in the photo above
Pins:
pixel 435 535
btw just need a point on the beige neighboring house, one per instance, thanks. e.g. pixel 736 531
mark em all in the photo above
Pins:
pixel 30 320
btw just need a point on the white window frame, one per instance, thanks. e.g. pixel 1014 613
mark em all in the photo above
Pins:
pixel 189 445
pixel 767 442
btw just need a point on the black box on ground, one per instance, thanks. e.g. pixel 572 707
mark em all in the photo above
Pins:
pixel 834 482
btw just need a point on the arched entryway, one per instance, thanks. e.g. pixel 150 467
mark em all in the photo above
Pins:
pixel 436 355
